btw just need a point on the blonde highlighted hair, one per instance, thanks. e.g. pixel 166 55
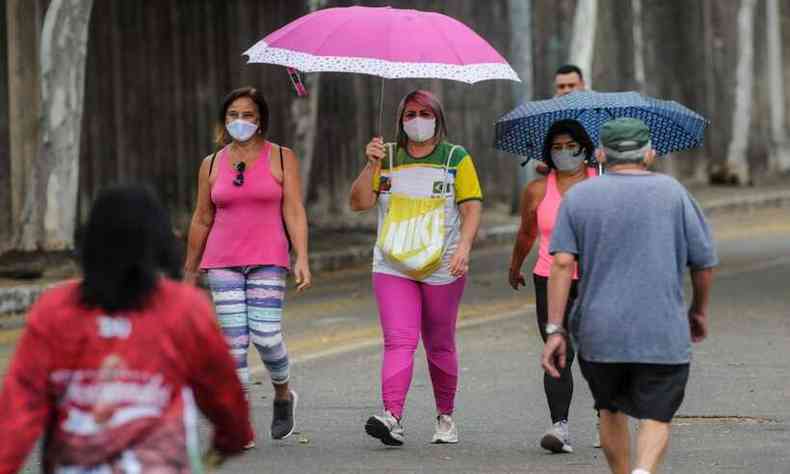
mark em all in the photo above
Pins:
pixel 424 99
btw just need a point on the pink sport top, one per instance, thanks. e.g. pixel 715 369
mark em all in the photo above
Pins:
pixel 248 220
pixel 547 215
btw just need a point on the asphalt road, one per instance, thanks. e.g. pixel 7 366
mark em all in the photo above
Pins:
pixel 736 416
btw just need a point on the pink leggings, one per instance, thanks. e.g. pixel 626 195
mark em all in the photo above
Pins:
pixel 408 308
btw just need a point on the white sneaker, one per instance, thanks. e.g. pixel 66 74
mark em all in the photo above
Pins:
pixel 386 428
pixel 446 431
pixel 556 438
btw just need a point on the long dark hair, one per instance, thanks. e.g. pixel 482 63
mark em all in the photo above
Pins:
pixel 576 132
pixel 221 135
pixel 128 243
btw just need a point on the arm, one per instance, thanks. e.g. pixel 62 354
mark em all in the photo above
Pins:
pixel 25 406
pixel 296 218
pixel 701 282
pixel 218 392
pixel 202 220
pixel 527 231
pixel 560 281
pixel 363 195
pixel 468 198
pixel 701 259
pixel 470 223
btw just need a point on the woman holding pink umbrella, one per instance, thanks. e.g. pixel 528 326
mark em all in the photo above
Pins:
pixel 426 190
pixel 428 199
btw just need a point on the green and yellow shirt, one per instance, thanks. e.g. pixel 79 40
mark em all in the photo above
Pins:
pixel 425 177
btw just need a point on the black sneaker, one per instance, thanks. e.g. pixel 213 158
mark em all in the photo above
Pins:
pixel 283 417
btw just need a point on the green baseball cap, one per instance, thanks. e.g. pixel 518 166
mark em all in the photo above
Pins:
pixel 624 134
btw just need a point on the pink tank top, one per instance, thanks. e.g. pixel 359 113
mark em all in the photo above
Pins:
pixel 248 221
pixel 547 215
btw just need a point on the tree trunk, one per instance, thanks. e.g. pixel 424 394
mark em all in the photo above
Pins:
pixel 304 114
pixel 737 160
pixel 49 211
pixel 711 103
pixel 23 23
pixel 521 61
pixel 639 45
pixel 779 158
pixel 585 21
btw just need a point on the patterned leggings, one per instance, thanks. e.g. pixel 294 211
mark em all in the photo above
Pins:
pixel 249 304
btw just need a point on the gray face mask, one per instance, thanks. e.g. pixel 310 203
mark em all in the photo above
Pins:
pixel 566 160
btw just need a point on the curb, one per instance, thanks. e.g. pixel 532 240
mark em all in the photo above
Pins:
pixel 18 298
pixel 336 260
pixel 747 203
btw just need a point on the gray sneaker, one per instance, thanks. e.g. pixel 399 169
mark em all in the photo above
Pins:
pixel 557 439
pixel 283 417
pixel 386 428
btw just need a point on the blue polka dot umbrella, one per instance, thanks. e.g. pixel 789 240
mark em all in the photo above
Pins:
pixel 673 126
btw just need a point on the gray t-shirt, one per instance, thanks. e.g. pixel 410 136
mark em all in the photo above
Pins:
pixel 633 235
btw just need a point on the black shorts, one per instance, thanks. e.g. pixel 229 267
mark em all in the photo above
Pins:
pixel 643 391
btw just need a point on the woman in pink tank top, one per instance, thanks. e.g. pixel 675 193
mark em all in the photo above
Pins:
pixel 249 211
pixel 567 150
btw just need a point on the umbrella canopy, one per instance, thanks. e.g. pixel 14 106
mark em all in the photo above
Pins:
pixel 673 127
pixel 385 42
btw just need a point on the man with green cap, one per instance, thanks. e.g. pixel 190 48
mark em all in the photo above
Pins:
pixel 632 233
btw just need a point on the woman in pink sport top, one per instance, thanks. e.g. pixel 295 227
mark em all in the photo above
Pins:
pixel 249 203
pixel 567 149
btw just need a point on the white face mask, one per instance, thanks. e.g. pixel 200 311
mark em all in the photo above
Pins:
pixel 241 130
pixel 420 129
pixel 565 160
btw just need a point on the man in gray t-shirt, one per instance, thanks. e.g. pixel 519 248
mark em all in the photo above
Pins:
pixel 633 233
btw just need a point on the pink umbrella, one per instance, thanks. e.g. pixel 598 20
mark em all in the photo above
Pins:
pixel 383 41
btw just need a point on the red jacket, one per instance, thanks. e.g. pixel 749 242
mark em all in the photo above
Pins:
pixel 118 394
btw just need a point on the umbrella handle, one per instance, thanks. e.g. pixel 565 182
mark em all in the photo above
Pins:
pixel 381 110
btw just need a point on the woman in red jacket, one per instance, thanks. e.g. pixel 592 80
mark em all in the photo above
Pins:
pixel 112 368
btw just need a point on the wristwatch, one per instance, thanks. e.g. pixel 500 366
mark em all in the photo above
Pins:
pixel 554 329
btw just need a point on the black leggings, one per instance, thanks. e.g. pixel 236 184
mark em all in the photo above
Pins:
pixel 558 391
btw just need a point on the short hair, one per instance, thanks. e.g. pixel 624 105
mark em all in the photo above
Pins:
pixel 611 161
pixel 632 157
pixel 221 135
pixel 569 69
pixel 576 132
pixel 127 243
pixel 425 99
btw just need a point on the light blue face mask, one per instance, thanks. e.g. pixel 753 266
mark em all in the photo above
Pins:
pixel 566 160
pixel 241 130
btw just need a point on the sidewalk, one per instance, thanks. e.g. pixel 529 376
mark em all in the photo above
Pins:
pixel 339 249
